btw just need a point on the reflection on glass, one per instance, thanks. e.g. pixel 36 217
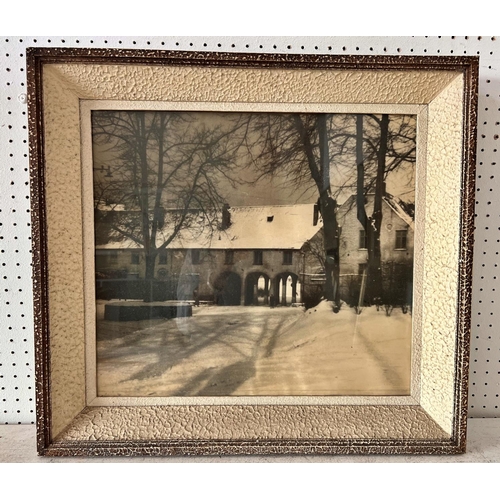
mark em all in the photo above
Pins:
pixel 253 254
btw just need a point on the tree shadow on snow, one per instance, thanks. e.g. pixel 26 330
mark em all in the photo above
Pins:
pixel 221 383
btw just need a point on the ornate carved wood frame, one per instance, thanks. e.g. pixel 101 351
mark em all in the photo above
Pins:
pixel 443 93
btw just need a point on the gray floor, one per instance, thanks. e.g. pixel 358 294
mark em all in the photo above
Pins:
pixel 17 445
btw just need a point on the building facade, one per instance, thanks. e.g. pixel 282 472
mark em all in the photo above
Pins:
pixel 265 255
pixel 258 259
pixel 396 246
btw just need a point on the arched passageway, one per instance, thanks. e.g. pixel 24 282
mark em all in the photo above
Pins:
pixel 257 289
pixel 227 289
pixel 287 289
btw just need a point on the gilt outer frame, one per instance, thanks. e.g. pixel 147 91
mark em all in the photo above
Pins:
pixel 100 440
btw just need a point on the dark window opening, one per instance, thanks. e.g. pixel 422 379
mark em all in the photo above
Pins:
pixel 229 257
pixel 361 268
pixel 270 218
pixel 134 258
pixel 257 257
pixel 363 239
pixel 195 256
pixel 401 237
pixel 162 258
pixel 287 257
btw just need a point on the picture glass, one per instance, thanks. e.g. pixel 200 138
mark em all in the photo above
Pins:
pixel 253 254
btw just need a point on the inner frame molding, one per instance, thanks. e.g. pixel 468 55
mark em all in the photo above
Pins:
pixel 86 107
pixel 444 89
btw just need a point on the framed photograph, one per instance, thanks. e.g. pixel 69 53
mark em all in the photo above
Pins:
pixel 251 253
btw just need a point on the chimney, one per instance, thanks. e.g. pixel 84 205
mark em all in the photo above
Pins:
pixel 226 217
pixel 315 214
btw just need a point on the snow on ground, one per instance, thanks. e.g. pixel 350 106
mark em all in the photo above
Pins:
pixel 339 354
pixel 242 350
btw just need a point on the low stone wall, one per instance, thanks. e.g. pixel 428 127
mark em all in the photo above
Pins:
pixel 139 311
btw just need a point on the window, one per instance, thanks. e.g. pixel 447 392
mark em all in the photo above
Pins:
pixel 134 258
pixel 257 258
pixel 361 268
pixel 363 239
pixel 113 256
pixel 162 258
pixel 287 257
pixel 195 256
pixel 401 237
pixel 229 257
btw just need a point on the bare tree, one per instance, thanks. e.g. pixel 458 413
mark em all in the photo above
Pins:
pixel 380 149
pixel 162 176
pixel 166 170
pixel 298 147
pixel 335 155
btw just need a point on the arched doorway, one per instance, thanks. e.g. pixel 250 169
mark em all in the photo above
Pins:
pixel 287 289
pixel 227 289
pixel 257 289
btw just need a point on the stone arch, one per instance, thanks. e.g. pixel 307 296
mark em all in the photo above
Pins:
pixel 227 289
pixel 257 289
pixel 287 289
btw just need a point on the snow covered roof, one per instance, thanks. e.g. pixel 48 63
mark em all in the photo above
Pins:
pixel 400 208
pixel 114 207
pixel 257 227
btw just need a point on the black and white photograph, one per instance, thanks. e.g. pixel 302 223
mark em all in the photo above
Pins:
pixel 253 253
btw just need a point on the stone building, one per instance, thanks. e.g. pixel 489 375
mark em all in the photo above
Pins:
pixel 396 245
pixel 255 257
pixel 260 255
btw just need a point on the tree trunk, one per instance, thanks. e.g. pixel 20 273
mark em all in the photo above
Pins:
pixel 149 295
pixel 328 209
pixel 375 284
pixel 360 194
pixel 372 225
pixel 328 206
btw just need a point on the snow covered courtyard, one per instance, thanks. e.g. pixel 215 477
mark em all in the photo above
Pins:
pixel 256 351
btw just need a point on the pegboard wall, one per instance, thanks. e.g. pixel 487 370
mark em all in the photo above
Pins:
pixel 16 317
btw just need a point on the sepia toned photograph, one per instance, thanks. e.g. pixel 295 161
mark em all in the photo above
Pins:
pixel 253 254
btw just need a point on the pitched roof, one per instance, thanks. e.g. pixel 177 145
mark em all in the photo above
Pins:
pixel 399 207
pixel 257 227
